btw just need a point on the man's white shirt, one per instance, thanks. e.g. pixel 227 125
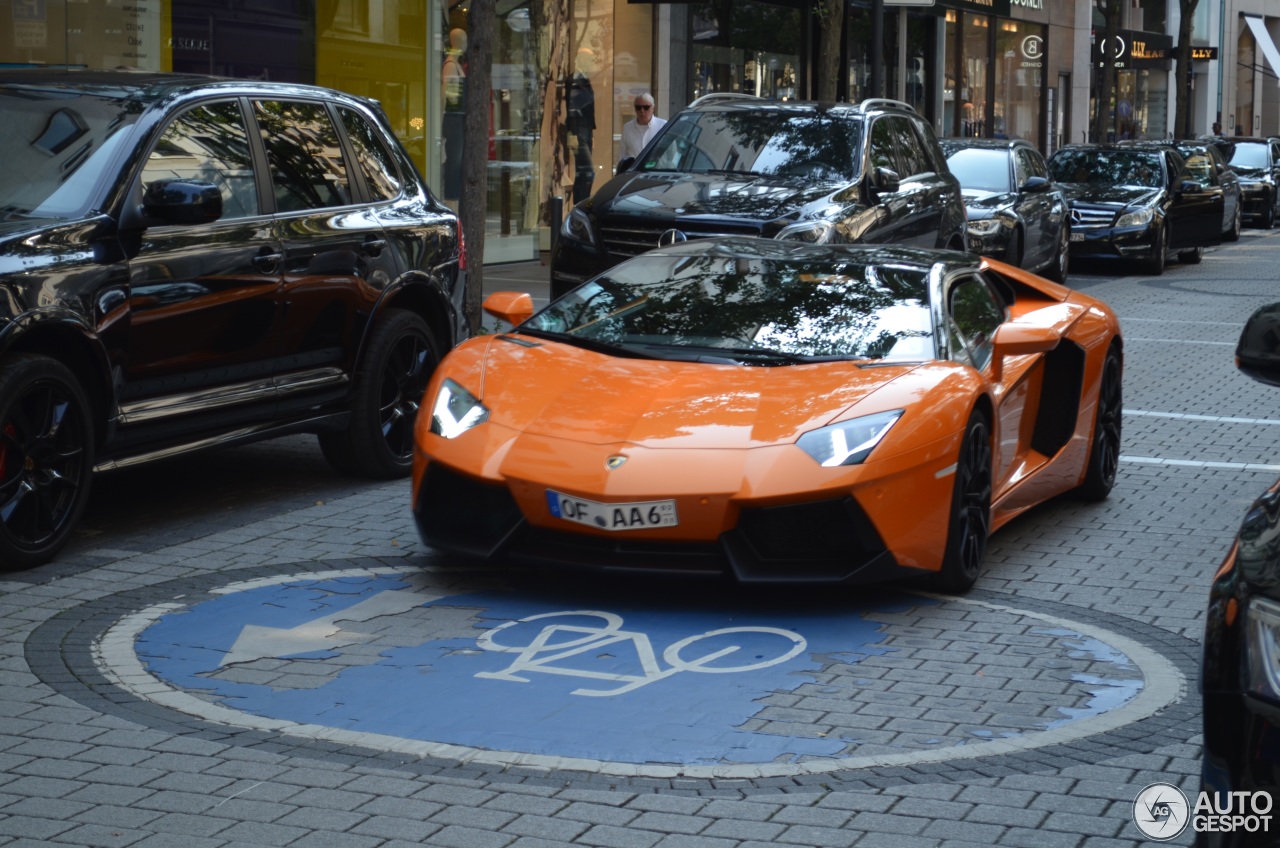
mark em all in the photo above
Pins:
pixel 635 136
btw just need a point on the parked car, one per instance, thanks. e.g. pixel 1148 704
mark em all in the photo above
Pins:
pixel 190 262
pixel 1206 163
pixel 818 173
pixel 1257 162
pixel 1240 670
pixel 1016 213
pixel 1137 202
pixel 772 410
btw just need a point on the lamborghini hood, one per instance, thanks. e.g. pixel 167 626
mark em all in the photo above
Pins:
pixel 570 393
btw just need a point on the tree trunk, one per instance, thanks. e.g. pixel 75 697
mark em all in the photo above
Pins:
pixel 1182 120
pixel 473 202
pixel 556 24
pixel 830 25
pixel 1102 118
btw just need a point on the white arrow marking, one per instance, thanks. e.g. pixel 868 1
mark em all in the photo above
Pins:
pixel 256 642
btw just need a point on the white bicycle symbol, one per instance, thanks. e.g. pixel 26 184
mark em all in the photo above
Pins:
pixel 556 642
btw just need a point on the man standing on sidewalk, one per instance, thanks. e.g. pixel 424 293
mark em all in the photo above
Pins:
pixel 636 133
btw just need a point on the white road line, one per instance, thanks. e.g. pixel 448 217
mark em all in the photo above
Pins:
pixel 1180 341
pixel 1186 416
pixel 1239 323
pixel 1196 463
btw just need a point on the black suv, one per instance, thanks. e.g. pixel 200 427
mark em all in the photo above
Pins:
pixel 187 262
pixel 821 173
pixel 1257 161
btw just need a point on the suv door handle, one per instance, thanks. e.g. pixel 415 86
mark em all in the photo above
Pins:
pixel 373 245
pixel 267 260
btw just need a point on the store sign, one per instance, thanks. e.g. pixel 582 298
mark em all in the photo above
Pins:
pixel 1134 49
pixel 982 7
pixel 1033 52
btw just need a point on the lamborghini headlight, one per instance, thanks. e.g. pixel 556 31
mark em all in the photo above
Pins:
pixel 456 411
pixel 810 232
pixel 1138 218
pixel 1262 646
pixel 848 442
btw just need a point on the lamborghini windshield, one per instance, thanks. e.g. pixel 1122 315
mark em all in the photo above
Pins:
pixel 781 143
pixel 757 306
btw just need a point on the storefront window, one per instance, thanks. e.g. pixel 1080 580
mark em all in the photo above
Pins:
pixel 1019 69
pixel 974 53
pixel 747 47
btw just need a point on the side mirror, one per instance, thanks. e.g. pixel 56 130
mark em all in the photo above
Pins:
pixel 1034 185
pixel 512 307
pixel 1258 351
pixel 1014 339
pixel 178 201
pixel 886 180
pixel 1190 187
pixel 625 164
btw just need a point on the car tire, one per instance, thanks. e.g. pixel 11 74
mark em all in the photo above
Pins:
pixel 46 458
pixel 970 521
pixel 1104 449
pixel 1154 266
pixel 1269 214
pixel 1233 234
pixel 1057 270
pixel 399 360
pixel 1191 257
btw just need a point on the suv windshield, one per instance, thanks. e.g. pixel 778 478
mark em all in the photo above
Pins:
pixel 55 147
pixel 775 143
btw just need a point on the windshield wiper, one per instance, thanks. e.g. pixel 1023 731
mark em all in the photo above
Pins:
pixel 715 352
pixel 732 171
pixel 583 342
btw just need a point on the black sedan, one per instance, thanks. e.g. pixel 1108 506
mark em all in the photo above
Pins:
pixel 1240 676
pixel 1257 161
pixel 189 262
pixel 1016 212
pixel 1208 164
pixel 1137 202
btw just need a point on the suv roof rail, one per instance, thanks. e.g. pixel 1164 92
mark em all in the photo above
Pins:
pixel 877 102
pixel 716 96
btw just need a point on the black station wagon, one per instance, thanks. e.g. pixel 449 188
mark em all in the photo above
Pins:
pixel 188 262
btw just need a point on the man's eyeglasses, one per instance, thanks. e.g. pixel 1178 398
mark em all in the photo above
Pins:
pixel 643 107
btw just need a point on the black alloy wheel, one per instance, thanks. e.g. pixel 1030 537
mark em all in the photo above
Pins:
pixel 1104 452
pixel 970 522
pixel 1057 270
pixel 1233 233
pixel 1154 265
pixel 398 364
pixel 46 458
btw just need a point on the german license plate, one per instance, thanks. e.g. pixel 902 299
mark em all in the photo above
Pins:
pixel 639 515
pixel 1077 236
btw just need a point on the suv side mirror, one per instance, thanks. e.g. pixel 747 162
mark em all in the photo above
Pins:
pixel 1035 184
pixel 625 165
pixel 1190 187
pixel 885 179
pixel 1258 351
pixel 179 201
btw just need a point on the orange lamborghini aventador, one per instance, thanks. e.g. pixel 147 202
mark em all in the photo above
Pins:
pixel 773 411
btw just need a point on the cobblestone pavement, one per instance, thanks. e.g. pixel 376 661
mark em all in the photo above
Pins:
pixel 1029 713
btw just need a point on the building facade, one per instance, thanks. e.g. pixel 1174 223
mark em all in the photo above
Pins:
pixel 566 72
